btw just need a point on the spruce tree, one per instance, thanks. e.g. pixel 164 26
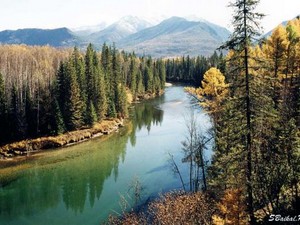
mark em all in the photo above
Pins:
pixel 91 114
pixel 100 100
pixel 133 77
pixel 58 122
pixel 246 30
pixel 73 105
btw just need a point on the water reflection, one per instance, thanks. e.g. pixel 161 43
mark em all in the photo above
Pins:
pixel 145 115
pixel 73 176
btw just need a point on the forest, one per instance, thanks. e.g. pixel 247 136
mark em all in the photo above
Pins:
pixel 46 91
pixel 253 100
pixel 190 70
pixel 252 95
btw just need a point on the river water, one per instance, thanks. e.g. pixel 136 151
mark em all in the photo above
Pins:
pixel 82 184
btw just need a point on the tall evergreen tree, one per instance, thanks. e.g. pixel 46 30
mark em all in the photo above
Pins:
pixel 73 105
pixel 91 114
pixel 100 101
pixel 246 29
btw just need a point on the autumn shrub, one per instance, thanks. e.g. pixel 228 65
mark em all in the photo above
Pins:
pixel 231 209
pixel 182 208
pixel 128 219
pixel 172 208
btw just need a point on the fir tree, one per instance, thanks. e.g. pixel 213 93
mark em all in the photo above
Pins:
pixel 91 114
pixel 246 27
pixel 73 105
pixel 58 121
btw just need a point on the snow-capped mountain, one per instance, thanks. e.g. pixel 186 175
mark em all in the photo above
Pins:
pixel 120 29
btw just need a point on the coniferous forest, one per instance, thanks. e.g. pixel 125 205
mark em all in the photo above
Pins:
pixel 46 91
pixel 253 101
pixel 190 70
pixel 250 92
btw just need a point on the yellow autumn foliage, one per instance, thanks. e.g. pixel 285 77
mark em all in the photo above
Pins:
pixel 232 209
pixel 213 91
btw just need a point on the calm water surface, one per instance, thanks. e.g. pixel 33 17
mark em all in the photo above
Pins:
pixel 82 184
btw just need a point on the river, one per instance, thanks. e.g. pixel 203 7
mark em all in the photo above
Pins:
pixel 82 184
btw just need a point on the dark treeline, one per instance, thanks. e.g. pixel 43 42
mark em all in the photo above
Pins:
pixel 39 97
pixel 190 70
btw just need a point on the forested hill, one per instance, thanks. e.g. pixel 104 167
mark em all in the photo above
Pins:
pixel 55 37
pixel 172 37
pixel 48 91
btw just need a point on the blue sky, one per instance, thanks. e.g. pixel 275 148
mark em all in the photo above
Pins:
pixel 16 14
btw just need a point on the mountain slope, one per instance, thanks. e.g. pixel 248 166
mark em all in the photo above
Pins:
pixel 119 30
pixel 284 23
pixel 55 37
pixel 88 30
pixel 176 36
pixel 172 37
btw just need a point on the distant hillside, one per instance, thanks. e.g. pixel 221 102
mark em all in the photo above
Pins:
pixel 284 23
pixel 56 37
pixel 119 30
pixel 174 37
pixel 88 30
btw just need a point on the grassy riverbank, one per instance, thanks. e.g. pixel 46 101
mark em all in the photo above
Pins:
pixel 25 147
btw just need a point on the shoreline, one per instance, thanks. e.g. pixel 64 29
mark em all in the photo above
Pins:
pixel 27 147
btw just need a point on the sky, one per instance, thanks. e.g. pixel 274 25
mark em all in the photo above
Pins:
pixel 15 14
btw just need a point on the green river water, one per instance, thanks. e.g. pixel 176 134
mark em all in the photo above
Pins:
pixel 82 184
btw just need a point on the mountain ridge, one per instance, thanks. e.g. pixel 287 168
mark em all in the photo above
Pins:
pixel 188 37
pixel 174 36
pixel 34 36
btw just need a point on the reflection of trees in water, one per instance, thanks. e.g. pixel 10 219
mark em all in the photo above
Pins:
pixel 72 180
pixel 76 176
pixel 144 115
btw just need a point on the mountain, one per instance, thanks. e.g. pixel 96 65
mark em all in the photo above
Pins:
pixel 119 30
pixel 54 37
pixel 284 23
pixel 174 37
pixel 88 30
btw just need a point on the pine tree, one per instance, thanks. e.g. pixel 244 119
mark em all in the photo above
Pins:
pixel 162 73
pixel 58 121
pixel 79 64
pixel 246 29
pixel 148 77
pixel 91 114
pixel 133 76
pixel 73 105
pixel 100 101
pixel 90 73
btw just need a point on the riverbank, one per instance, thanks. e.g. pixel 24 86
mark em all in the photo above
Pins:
pixel 26 147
